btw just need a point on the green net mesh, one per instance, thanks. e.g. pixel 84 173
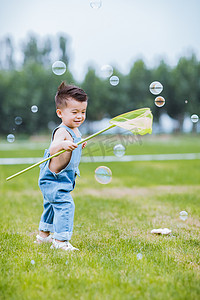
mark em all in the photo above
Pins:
pixel 138 121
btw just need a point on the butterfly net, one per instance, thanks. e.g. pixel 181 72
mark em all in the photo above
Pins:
pixel 138 121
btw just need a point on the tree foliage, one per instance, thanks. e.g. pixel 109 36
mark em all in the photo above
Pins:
pixel 33 83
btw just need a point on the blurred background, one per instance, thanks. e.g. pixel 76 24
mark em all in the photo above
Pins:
pixel 142 41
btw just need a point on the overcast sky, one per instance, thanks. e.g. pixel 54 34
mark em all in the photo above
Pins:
pixel 118 33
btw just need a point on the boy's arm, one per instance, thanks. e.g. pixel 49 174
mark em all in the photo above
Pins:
pixel 62 141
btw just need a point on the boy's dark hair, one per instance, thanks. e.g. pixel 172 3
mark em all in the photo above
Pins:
pixel 66 91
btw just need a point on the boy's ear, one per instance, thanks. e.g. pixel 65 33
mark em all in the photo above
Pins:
pixel 59 113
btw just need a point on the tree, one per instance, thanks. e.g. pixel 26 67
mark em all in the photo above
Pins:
pixel 186 86
pixel 163 74
pixel 46 52
pixel 31 51
pixel 35 84
pixel 94 87
pixel 7 54
pixel 139 79
pixel 63 41
pixel 116 97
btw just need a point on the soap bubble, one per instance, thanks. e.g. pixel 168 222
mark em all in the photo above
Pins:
pixel 58 67
pixel 32 262
pixel 119 150
pixel 114 80
pixel 103 175
pixel 34 108
pixel 194 118
pixel 18 120
pixel 106 71
pixel 159 101
pixel 95 3
pixel 183 215
pixel 10 138
pixel 155 87
pixel 139 256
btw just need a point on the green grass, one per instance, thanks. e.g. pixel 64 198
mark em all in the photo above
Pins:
pixel 103 145
pixel 112 225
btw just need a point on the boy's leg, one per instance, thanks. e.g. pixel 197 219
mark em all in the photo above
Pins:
pixel 63 217
pixel 46 222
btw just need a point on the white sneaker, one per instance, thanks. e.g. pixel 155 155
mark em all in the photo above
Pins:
pixel 40 239
pixel 63 245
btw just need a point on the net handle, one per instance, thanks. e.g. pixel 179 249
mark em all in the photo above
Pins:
pixel 58 153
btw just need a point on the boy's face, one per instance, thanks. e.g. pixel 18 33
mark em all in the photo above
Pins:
pixel 73 115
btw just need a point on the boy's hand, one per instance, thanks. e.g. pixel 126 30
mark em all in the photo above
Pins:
pixel 84 145
pixel 69 145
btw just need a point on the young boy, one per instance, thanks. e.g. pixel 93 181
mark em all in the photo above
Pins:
pixel 57 176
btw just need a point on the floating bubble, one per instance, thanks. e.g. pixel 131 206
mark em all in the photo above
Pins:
pixel 194 118
pixel 159 101
pixel 58 67
pixel 10 138
pixel 106 71
pixel 95 3
pixel 183 215
pixel 32 262
pixel 155 87
pixel 139 256
pixel 34 108
pixel 119 150
pixel 103 175
pixel 114 80
pixel 18 120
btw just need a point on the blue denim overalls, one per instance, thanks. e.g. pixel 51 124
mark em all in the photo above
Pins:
pixel 58 213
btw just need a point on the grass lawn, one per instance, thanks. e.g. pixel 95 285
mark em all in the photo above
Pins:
pixel 103 145
pixel 112 226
